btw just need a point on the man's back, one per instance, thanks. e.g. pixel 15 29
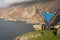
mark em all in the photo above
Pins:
pixel 47 15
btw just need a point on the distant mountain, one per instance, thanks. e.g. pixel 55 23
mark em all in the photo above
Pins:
pixel 27 3
pixel 24 4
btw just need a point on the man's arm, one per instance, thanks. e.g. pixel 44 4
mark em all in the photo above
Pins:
pixel 42 12
pixel 53 13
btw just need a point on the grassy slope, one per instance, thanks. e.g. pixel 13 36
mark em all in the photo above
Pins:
pixel 47 36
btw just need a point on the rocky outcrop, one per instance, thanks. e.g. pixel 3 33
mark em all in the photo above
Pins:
pixel 37 27
pixel 55 20
pixel 27 36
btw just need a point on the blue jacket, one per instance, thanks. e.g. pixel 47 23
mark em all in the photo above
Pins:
pixel 47 15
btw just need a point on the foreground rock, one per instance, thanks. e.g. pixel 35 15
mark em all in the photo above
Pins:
pixel 28 35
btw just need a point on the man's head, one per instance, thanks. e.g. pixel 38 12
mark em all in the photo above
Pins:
pixel 47 10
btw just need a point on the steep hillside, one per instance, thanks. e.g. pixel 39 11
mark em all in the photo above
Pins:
pixel 27 11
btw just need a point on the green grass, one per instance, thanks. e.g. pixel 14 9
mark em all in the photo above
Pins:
pixel 48 35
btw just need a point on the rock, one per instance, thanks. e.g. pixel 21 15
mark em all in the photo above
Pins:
pixel 57 27
pixel 27 36
pixel 37 27
pixel 58 31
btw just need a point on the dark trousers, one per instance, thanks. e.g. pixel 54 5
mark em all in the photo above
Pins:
pixel 43 27
pixel 46 26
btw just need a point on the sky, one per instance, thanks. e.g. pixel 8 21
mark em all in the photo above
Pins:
pixel 5 3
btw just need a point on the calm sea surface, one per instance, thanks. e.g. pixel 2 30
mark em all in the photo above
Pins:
pixel 10 29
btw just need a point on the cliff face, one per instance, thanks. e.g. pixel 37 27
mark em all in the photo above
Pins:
pixel 18 13
pixel 26 13
pixel 55 19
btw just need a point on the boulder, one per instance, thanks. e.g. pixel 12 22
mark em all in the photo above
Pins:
pixel 37 27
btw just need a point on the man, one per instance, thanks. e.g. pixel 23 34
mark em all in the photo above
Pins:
pixel 48 16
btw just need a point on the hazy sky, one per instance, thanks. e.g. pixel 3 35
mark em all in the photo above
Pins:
pixel 4 3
